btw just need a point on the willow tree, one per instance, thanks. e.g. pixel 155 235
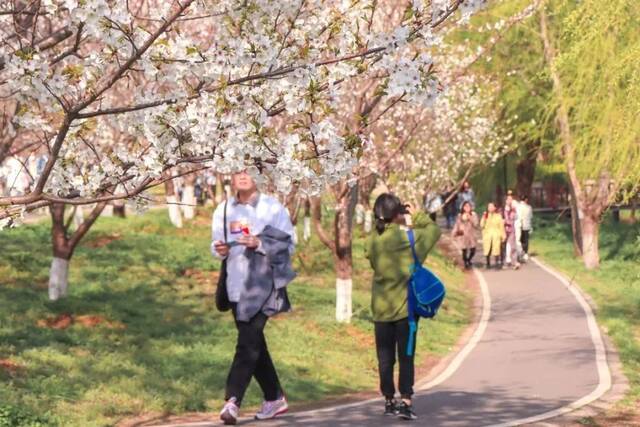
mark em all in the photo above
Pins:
pixel 592 49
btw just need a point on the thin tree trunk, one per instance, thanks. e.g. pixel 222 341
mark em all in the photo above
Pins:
pixel 344 254
pixel 590 231
pixel 175 214
pixel 367 185
pixel 306 234
pixel 368 221
pixel 578 198
pixel 316 216
pixel 119 210
pixel 576 229
pixel 189 201
pixel 220 189
pixel 64 245
pixel 59 271
pixel 360 214
pixel 340 245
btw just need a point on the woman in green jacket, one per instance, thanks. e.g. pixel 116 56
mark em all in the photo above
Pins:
pixel 389 253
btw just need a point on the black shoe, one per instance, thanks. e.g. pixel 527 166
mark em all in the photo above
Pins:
pixel 405 412
pixel 390 407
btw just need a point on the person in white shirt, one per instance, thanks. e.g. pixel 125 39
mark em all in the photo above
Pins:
pixel 526 223
pixel 247 214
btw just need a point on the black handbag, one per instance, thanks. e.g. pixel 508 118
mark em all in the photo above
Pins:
pixel 222 296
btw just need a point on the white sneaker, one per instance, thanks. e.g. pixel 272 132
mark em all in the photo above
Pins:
pixel 273 408
pixel 525 257
pixel 229 413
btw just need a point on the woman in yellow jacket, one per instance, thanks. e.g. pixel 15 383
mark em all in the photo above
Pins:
pixel 493 233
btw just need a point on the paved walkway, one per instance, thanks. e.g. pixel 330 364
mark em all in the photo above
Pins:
pixel 535 352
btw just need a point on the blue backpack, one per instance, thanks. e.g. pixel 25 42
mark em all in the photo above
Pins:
pixel 425 294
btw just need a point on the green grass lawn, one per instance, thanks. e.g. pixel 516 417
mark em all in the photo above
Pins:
pixel 147 338
pixel 615 287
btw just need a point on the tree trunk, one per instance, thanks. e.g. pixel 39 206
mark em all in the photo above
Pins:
pixel 119 210
pixel 63 246
pixel 368 221
pixel 359 214
pixel 59 271
pixel 367 185
pixel 58 278
pixel 526 169
pixel 306 234
pixel 586 206
pixel 343 253
pixel 344 287
pixel 189 201
pixel 590 231
pixel 219 191
pixel 175 215
pixel 340 245
pixel 210 186
pixel 576 229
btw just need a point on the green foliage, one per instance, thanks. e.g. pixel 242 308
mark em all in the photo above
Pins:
pixel 162 347
pixel 517 63
pixel 599 64
pixel 11 416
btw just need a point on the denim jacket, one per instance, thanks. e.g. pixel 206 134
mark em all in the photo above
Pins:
pixel 270 272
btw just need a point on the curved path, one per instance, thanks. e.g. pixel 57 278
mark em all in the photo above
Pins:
pixel 537 353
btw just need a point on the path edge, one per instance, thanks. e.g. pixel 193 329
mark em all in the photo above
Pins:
pixel 450 363
pixel 612 384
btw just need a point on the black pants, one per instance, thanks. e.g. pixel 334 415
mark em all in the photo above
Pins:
pixel 468 254
pixel 252 359
pixel 392 337
pixel 524 239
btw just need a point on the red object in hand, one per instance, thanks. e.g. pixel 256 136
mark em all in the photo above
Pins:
pixel 245 229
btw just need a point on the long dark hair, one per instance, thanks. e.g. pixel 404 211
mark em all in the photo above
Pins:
pixel 386 208
pixel 466 202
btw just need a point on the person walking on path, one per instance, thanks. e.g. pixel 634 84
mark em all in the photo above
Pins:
pixel 464 231
pixel 466 195
pixel 493 234
pixel 450 211
pixel 254 234
pixel 511 246
pixel 525 212
pixel 389 253
pixel 432 204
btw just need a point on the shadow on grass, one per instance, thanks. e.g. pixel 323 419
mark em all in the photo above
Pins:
pixel 173 353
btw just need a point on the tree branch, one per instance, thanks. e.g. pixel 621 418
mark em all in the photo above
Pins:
pixel 316 217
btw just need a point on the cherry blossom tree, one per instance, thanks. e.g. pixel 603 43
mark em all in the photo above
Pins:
pixel 460 132
pixel 116 94
pixel 375 118
pixel 189 90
